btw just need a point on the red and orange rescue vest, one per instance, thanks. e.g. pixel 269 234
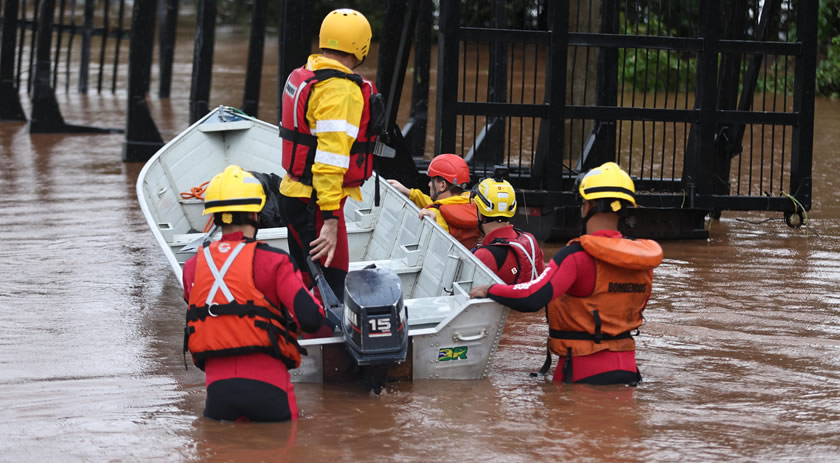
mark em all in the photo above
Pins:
pixel 299 143
pixel 462 220
pixel 228 315
pixel 604 320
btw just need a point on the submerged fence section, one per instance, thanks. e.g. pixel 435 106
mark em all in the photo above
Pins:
pixel 708 105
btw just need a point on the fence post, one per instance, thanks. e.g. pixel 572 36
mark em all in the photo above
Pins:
pixel 446 121
pixel 142 138
pixel 295 43
pixel 84 59
pixel 253 74
pixel 45 117
pixel 606 89
pixel 415 130
pixel 697 173
pixel 548 167
pixel 491 149
pixel 202 70
pixel 10 108
pixel 166 46
pixel 802 144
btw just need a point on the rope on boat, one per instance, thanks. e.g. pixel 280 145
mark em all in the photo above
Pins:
pixel 197 192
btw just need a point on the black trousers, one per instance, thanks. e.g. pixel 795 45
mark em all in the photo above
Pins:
pixel 303 229
pixel 235 398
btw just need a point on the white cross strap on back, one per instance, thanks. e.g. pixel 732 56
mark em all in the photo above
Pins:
pixel 531 256
pixel 219 275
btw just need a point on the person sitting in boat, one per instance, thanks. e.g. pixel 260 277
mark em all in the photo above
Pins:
pixel 330 120
pixel 596 287
pixel 246 302
pixel 510 253
pixel 448 202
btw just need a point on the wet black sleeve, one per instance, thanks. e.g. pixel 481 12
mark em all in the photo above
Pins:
pixel 306 311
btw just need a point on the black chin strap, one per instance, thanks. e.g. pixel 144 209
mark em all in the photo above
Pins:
pixel 585 219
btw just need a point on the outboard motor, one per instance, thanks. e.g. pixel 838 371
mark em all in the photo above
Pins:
pixel 375 322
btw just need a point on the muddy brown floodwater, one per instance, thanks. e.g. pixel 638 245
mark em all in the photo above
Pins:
pixel 740 353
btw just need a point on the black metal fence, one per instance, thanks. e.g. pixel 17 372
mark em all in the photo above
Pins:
pixel 92 34
pixel 708 104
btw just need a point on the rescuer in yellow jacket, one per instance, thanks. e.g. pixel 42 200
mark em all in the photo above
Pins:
pixel 447 202
pixel 326 144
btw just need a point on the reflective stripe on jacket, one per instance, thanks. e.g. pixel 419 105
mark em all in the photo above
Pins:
pixel 228 315
pixel 604 320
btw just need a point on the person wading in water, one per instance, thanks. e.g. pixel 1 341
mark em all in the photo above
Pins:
pixel 246 302
pixel 595 288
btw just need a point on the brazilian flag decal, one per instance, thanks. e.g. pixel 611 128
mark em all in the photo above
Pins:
pixel 452 353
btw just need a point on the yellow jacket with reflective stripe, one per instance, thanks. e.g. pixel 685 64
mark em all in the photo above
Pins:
pixel 423 200
pixel 334 114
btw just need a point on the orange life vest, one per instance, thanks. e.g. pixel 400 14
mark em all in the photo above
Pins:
pixel 299 142
pixel 604 320
pixel 462 220
pixel 228 315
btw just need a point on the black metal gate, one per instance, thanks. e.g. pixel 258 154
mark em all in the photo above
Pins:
pixel 707 104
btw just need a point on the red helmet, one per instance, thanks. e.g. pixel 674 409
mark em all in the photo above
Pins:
pixel 452 168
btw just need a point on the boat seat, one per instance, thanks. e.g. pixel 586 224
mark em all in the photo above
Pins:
pixel 264 234
pixel 398 266
pixel 428 310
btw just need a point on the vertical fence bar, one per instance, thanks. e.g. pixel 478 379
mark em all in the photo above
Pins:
pixel 106 20
pixel 202 70
pixel 10 108
pixel 20 43
pixel 802 142
pixel 556 76
pixel 447 79
pixel 166 46
pixel 84 59
pixel 45 116
pixel 70 46
pixel 698 172
pixel 606 87
pixel 32 47
pixel 295 41
pixel 142 138
pixel 120 15
pixel 59 33
pixel 253 73
pixel 416 134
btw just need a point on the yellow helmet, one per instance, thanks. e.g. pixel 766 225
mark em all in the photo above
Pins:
pixel 608 181
pixel 495 198
pixel 234 190
pixel 346 30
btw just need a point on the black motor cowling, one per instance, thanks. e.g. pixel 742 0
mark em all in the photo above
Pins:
pixel 375 318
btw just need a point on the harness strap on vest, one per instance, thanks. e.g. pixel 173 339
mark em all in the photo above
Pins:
pixel 241 310
pixel 272 336
pixel 545 366
pixel 299 138
pixel 567 367
pixel 531 256
pixel 597 318
pixel 584 336
pixel 188 330
pixel 219 274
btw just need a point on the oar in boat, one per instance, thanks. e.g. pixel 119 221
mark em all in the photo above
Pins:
pixel 333 307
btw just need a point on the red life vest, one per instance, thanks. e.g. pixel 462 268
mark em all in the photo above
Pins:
pixel 462 220
pixel 604 320
pixel 524 249
pixel 228 315
pixel 299 143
